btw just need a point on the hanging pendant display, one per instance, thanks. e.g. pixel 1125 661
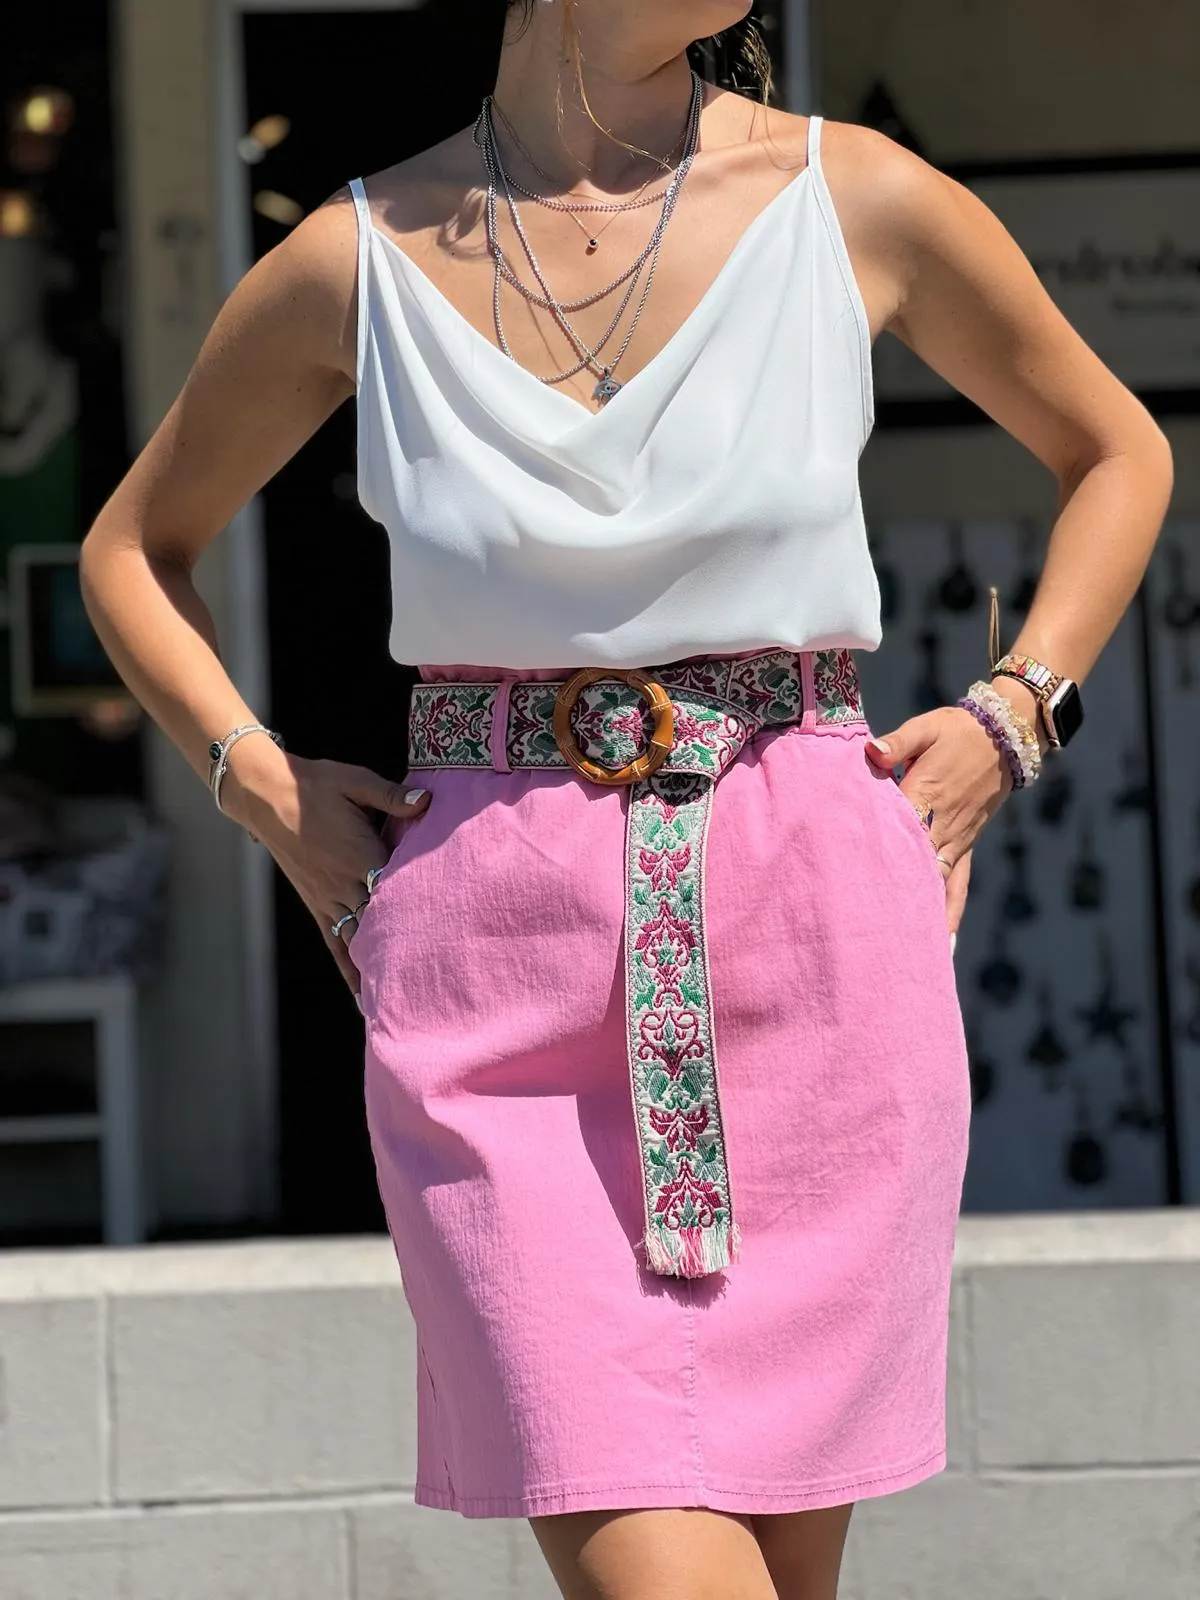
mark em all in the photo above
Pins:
pixel 1046 1050
pixel 1181 613
pixel 928 693
pixel 982 1067
pixel 1086 886
pixel 1086 1161
pixel 1133 1110
pixel 999 978
pixel 957 590
pixel 1054 794
pixel 1104 1018
pixel 1021 598
pixel 1134 793
pixel 1018 904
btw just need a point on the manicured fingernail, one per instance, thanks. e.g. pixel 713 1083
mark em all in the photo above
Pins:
pixel 953 942
pixel 413 796
pixel 881 745
pixel 359 1004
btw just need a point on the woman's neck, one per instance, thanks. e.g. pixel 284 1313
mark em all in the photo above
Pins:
pixel 641 98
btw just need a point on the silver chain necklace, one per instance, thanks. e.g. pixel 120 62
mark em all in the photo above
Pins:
pixel 607 386
pixel 581 203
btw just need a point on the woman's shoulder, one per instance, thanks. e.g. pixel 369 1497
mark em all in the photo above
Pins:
pixel 431 196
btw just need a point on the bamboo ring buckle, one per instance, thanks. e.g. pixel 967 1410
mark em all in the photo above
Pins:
pixel 662 739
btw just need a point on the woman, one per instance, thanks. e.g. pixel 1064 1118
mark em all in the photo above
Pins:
pixel 665 1076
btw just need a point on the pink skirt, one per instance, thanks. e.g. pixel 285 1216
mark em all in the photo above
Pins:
pixel 555 1372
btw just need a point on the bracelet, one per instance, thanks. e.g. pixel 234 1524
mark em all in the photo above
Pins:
pixel 218 755
pixel 1009 731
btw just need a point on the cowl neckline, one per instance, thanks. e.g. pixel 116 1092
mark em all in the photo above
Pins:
pixel 439 310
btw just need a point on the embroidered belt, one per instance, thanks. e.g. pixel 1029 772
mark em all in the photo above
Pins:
pixel 669 733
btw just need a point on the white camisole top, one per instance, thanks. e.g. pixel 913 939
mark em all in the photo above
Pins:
pixel 711 506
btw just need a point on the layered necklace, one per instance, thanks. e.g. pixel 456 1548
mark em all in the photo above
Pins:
pixel 647 258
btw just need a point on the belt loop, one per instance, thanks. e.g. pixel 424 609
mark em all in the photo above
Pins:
pixel 499 734
pixel 808 692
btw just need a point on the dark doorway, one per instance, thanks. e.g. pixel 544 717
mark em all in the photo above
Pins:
pixel 361 90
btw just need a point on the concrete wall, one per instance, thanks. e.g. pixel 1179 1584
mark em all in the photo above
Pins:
pixel 236 1423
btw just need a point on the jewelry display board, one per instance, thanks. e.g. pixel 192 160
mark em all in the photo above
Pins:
pixel 1058 955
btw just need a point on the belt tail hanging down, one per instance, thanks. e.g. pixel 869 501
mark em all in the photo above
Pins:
pixel 689 1224
pixel 718 706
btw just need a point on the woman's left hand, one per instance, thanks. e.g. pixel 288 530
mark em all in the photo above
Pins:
pixel 952 769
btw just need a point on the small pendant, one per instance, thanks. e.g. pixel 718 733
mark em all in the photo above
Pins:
pixel 592 244
pixel 606 388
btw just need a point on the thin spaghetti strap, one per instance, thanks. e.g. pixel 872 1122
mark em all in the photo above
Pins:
pixel 814 141
pixel 837 240
pixel 363 212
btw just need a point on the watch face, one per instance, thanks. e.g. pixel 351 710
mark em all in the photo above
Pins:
pixel 1064 712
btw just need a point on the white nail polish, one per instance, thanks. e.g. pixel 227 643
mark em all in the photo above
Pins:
pixel 953 942
pixel 413 795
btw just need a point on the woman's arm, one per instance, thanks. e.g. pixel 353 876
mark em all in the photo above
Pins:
pixel 969 303
pixel 277 362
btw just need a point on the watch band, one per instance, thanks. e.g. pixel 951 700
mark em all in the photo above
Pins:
pixel 1035 675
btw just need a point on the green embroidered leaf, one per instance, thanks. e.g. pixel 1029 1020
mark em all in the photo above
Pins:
pixel 643 994
pixel 658 1083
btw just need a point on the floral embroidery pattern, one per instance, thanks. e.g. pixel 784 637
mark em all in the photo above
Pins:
pixel 530 734
pixel 690 1229
pixel 835 687
pixel 448 725
pixel 769 686
pixel 720 704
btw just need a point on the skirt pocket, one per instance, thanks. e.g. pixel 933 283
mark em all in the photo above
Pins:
pixel 895 798
pixel 394 834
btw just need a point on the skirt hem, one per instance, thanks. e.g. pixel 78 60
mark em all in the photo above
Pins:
pixel 557 1499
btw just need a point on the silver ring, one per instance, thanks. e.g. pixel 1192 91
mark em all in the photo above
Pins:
pixel 949 865
pixel 336 927
pixel 372 878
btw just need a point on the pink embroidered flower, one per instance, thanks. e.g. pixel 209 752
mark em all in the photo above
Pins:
pixel 664 867
pixel 671 1037
pixel 687 1202
pixel 666 941
pixel 680 1129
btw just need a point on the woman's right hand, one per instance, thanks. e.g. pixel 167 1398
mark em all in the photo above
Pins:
pixel 313 816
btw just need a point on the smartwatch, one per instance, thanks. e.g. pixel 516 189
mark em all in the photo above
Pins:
pixel 1059 703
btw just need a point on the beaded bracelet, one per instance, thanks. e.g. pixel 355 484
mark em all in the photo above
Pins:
pixel 1009 731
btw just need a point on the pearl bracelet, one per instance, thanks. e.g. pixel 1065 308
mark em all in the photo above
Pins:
pixel 1012 734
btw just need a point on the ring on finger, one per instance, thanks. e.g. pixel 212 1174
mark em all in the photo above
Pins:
pixel 336 927
pixel 924 814
pixel 372 878
pixel 941 860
